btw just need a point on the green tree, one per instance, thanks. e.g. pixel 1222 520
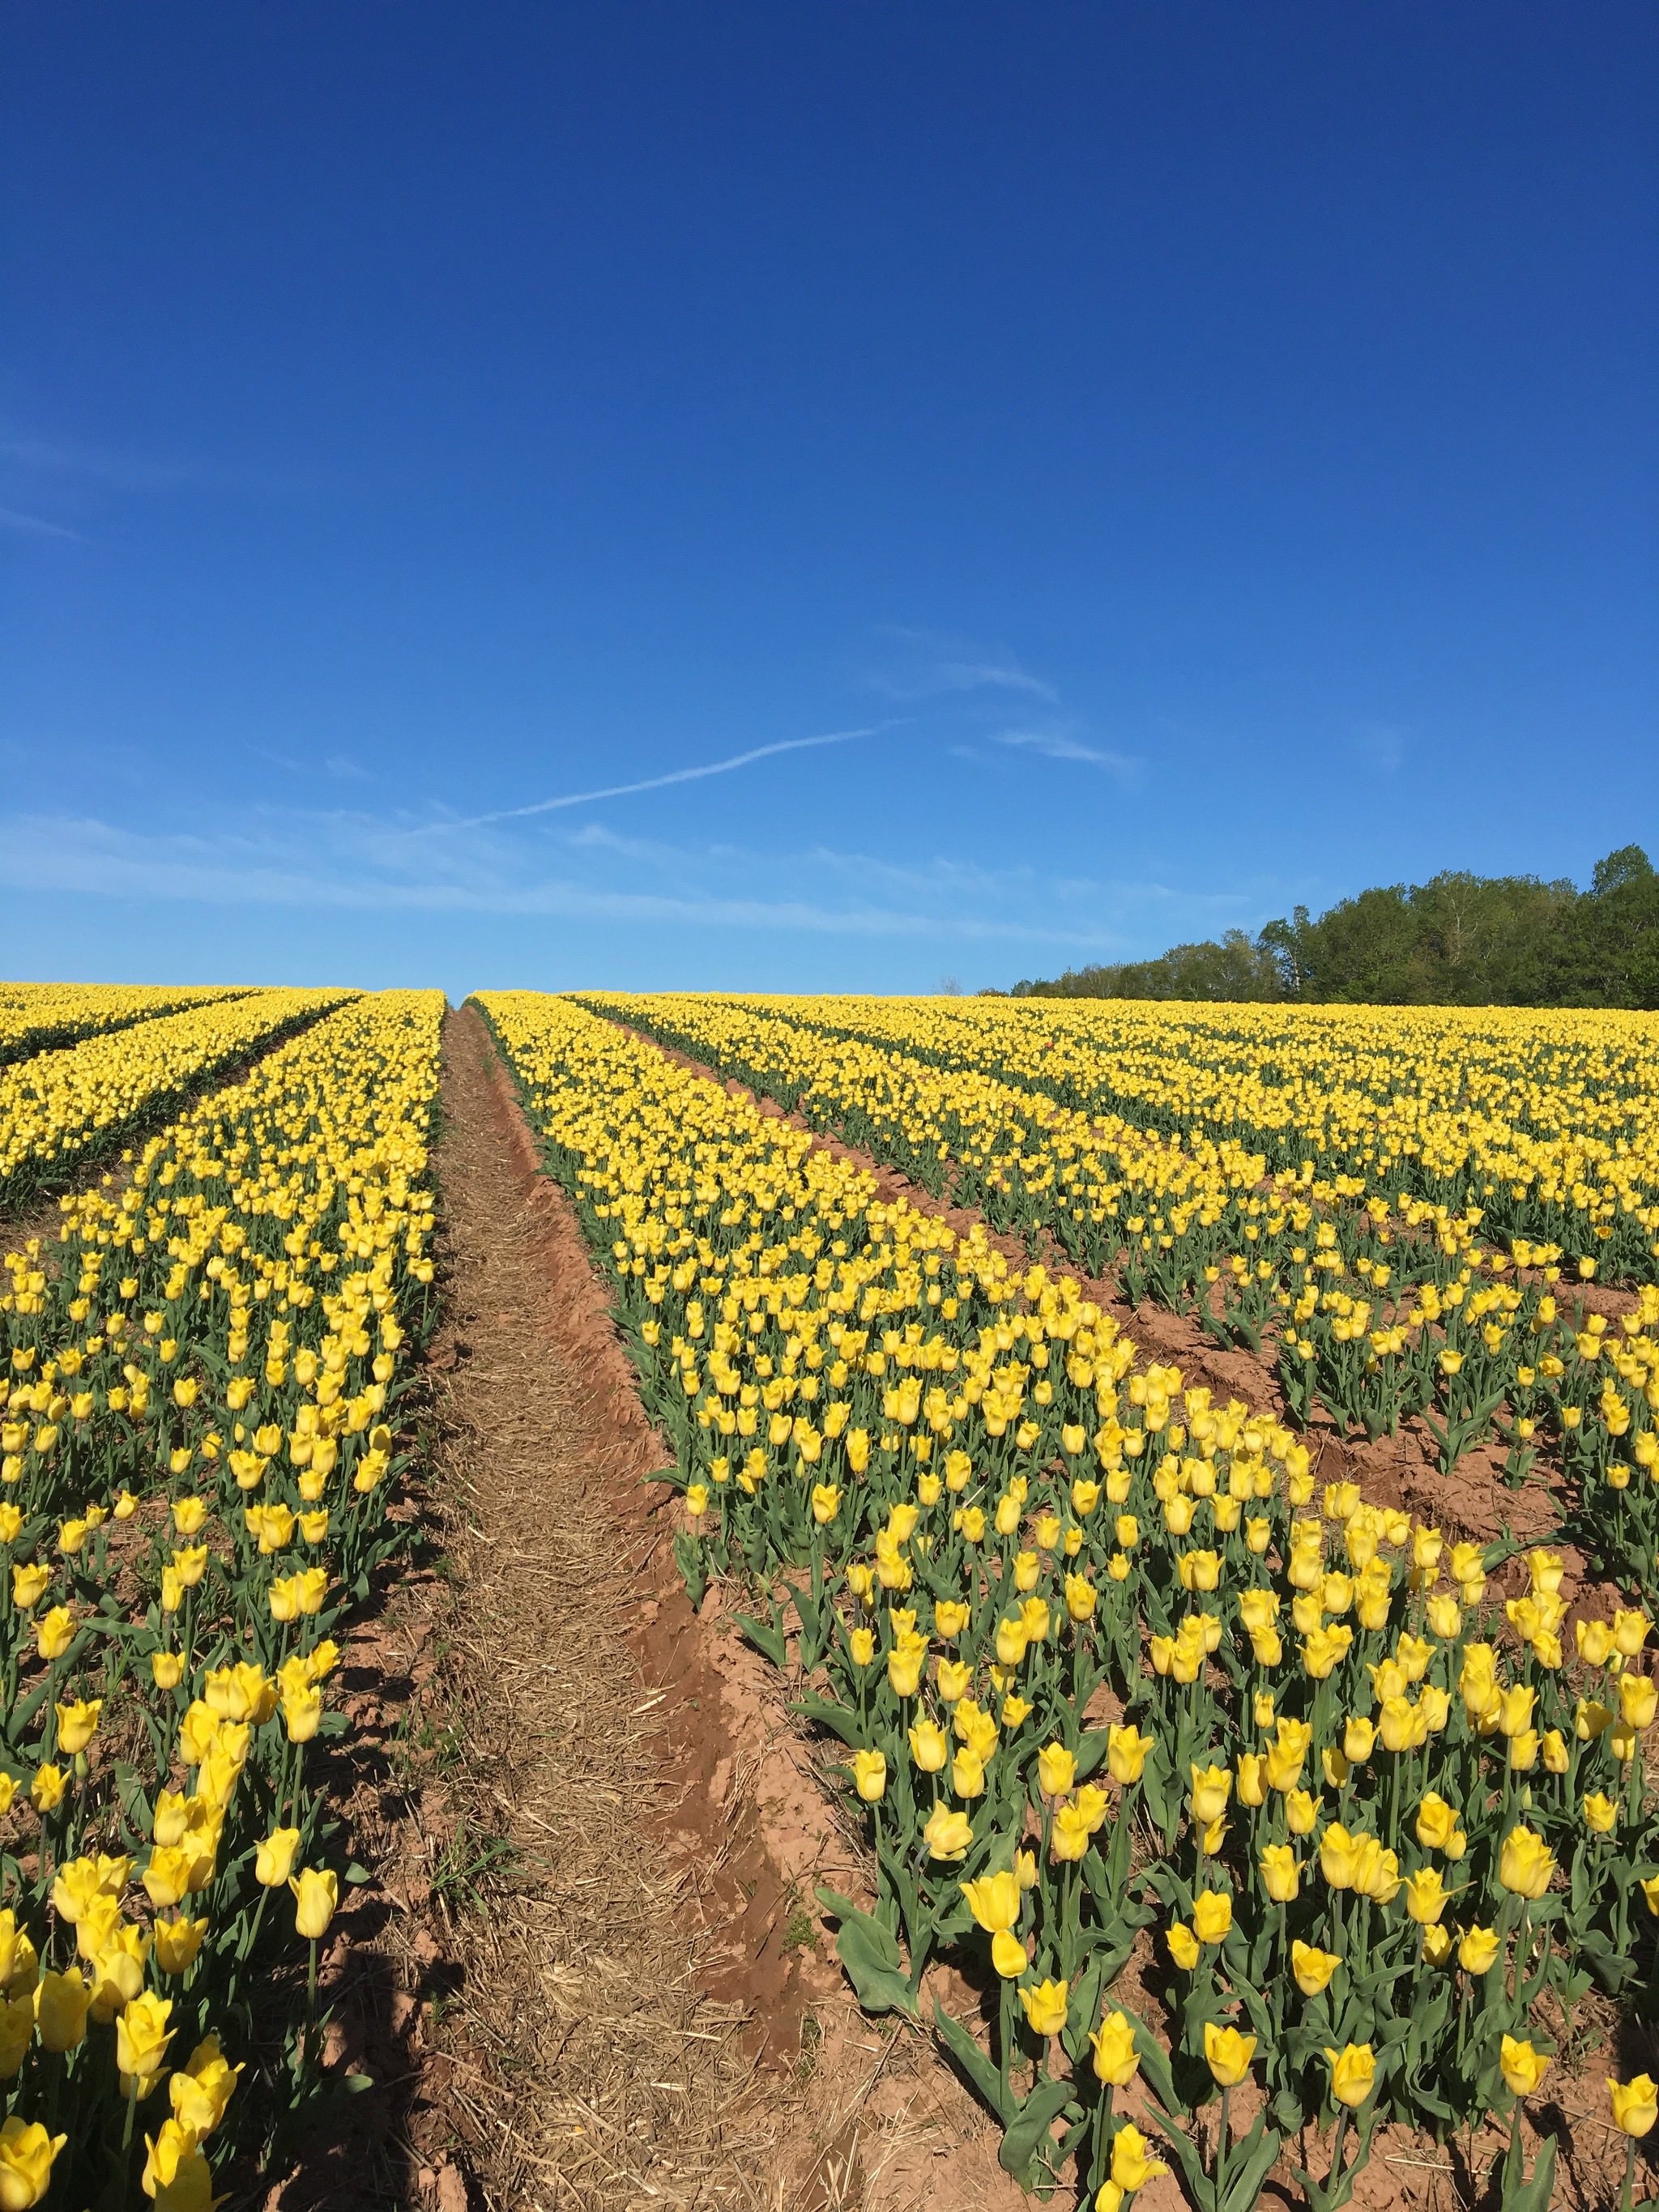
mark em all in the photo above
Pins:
pixel 1458 939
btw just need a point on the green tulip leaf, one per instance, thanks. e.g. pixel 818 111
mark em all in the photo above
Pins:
pixel 840 1720
pixel 1528 2193
pixel 867 1950
pixel 972 2060
pixel 1254 2158
pixel 1036 2118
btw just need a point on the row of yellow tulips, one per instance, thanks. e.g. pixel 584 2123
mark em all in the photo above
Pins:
pixel 199 1391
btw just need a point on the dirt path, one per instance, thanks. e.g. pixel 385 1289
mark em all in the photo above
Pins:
pixel 648 2015
pixel 581 2060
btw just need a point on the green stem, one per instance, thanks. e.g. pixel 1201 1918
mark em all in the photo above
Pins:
pixel 1103 2139
pixel 1221 2151
pixel 1335 2178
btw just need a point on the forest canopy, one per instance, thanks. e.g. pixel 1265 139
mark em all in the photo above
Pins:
pixel 1457 941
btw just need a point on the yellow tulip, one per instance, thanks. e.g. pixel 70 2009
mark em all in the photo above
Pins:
pixel 1212 1916
pixel 948 1833
pixel 1280 1873
pixel 1312 1967
pixel 1436 1827
pixel 1477 1949
pixel 993 1900
pixel 61 2001
pixel 1008 1955
pixel 1339 1856
pixel 1301 1811
pixel 1132 2168
pixel 142 2037
pixel 177 1942
pixel 1228 2054
pixel 1126 1752
pixel 1211 1787
pixel 869 1775
pixel 316 1895
pixel 202 2087
pixel 1116 2061
pixel 1426 1896
pixel 55 1632
pixel 1056 1770
pixel 1184 1945
pixel 1634 2105
pixel 1638 1700
pixel 175 2171
pixel 27 2153
pixel 1045 2006
pixel 1354 2069
pixel 1525 1864
pixel 1523 2067
pixel 47 1791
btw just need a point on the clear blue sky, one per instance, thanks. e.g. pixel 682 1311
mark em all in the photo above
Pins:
pixel 1209 452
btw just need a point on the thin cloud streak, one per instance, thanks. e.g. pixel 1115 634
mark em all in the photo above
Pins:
pixel 975 675
pixel 32 525
pixel 1056 745
pixel 650 782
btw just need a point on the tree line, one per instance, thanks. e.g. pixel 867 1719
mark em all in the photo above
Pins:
pixel 1457 941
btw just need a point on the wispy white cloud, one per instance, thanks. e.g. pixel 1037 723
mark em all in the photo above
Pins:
pixel 90 465
pixel 82 470
pixel 1056 744
pixel 933 665
pixel 302 863
pixel 650 782
pixel 34 526
pixel 987 675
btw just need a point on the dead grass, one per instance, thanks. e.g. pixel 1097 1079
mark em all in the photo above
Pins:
pixel 585 2066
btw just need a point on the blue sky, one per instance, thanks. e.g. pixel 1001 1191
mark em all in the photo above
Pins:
pixel 1106 473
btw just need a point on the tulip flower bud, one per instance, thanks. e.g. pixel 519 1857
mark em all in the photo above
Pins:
pixel 1634 2105
pixel 1523 2067
pixel 27 2154
pixel 1131 2167
pixel 870 1775
pixel 1045 2005
pixel 1116 2061
pixel 1184 1945
pixel 1280 1873
pixel 316 1894
pixel 1477 1949
pixel 1228 2054
pixel 1352 2072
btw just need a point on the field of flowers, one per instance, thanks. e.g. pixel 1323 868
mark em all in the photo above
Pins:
pixel 198 1419
pixel 1104 1658
pixel 1402 1232
pixel 1231 1799
pixel 44 1017
pixel 59 1108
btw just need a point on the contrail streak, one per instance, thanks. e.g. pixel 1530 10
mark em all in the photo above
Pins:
pixel 652 782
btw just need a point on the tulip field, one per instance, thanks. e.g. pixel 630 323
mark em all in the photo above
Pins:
pixel 1109 1666
pixel 200 1392
pixel 1211 1808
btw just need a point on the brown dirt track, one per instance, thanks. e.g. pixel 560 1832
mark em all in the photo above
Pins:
pixel 642 2013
